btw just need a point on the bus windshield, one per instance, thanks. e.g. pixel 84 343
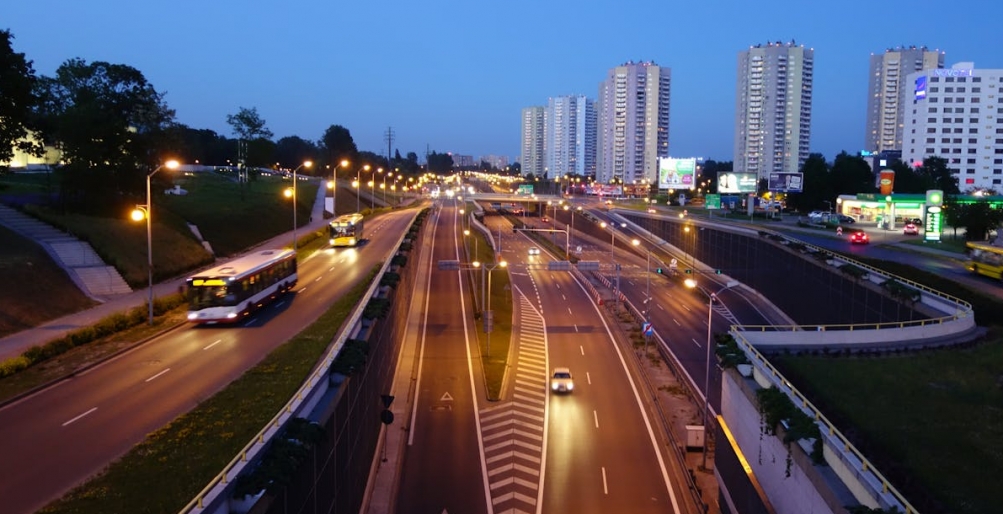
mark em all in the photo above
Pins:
pixel 203 296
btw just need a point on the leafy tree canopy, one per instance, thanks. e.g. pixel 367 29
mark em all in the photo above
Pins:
pixel 247 124
pixel 291 151
pixel 338 145
pixel 17 100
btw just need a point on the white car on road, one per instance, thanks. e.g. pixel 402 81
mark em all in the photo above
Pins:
pixel 534 250
pixel 561 381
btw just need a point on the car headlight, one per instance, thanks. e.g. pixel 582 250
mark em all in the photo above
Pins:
pixel 571 386
pixel 554 386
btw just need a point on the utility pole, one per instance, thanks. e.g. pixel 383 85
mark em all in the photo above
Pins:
pixel 388 136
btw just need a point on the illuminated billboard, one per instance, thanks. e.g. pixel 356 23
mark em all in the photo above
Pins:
pixel 676 173
pixel 920 91
pixel 729 182
pixel 786 182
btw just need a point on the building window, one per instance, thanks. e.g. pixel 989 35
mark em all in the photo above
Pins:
pixel 976 89
pixel 947 100
pixel 970 150
pixel 945 140
pixel 976 79
pixel 948 89
pixel 975 110
pixel 969 171
pixel 959 120
pixel 931 109
pixel 937 79
pixel 929 150
pixel 949 79
pixel 972 141
pixel 971 161
pixel 957 140
pixel 930 140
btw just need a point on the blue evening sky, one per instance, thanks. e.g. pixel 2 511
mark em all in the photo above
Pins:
pixel 455 74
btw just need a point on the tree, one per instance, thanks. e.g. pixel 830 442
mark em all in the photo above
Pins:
pixel 17 101
pixel 201 146
pixel 111 125
pixel 939 176
pixel 977 218
pixel 850 174
pixel 441 163
pixel 248 125
pixel 816 186
pixel 291 151
pixel 338 145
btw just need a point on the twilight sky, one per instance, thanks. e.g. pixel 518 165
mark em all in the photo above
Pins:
pixel 455 74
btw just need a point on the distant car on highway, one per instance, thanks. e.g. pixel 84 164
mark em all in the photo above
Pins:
pixel 910 229
pixel 545 219
pixel 534 251
pixel 651 211
pixel 561 381
pixel 859 238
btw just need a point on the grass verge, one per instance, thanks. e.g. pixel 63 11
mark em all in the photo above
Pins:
pixel 494 358
pixel 935 429
pixel 165 471
pixel 35 289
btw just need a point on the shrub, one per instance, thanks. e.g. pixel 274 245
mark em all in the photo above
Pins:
pixel 13 365
pixel 390 279
pixel 377 308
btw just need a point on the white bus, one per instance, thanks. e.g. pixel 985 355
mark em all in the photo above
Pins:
pixel 226 293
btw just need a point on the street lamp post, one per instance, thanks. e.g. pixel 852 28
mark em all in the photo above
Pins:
pixel 488 313
pixel 146 211
pixel 291 192
pixel 358 186
pixel 334 187
pixel 706 384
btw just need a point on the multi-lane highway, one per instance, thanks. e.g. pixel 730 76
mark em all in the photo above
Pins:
pixel 60 436
pixel 594 450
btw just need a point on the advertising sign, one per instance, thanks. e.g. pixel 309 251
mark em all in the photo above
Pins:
pixel 729 182
pixel 920 92
pixel 676 173
pixel 712 201
pixel 886 181
pixel 786 182
pixel 932 224
pixel 606 190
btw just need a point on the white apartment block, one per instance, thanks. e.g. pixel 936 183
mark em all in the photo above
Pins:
pixel 632 122
pixel 957 114
pixel 533 129
pixel 570 136
pixel 885 85
pixel 773 108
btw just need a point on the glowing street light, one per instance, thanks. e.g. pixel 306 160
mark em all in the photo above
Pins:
pixel 333 186
pixel 291 193
pixel 146 211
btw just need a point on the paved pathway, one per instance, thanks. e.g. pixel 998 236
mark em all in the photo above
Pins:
pixel 15 344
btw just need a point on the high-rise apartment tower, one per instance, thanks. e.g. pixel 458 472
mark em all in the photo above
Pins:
pixel 773 108
pixel 632 122
pixel 887 92
pixel 533 147
pixel 571 136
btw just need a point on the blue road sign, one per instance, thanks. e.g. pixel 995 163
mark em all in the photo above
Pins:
pixel 647 329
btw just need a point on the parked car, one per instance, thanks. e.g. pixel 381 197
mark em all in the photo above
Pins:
pixel 561 381
pixel 910 229
pixel 859 238
pixel 846 219
pixel 915 221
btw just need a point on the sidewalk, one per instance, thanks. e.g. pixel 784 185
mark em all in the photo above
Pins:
pixel 15 344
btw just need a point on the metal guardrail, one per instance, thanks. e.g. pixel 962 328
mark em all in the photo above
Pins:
pixel 215 489
pixel 829 428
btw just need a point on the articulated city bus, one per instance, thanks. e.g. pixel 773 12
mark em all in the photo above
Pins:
pixel 985 260
pixel 226 293
pixel 346 230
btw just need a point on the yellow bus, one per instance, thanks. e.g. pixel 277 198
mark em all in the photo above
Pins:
pixel 985 260
pixel 346 230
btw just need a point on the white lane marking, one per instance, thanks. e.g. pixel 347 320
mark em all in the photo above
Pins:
pixel 569 311
pixel 696 342
pixel 605 487
pixel 659 306
pixel 213 344
pixel 580 347
pixel 301 290
pixel 576 327
pixel 331 268
pixel 80 416
pixel 677 322
pixel 154 377
pixel 588 378
pixel 318 278
pixel 595 415
pixel 686 307
pixel 565 298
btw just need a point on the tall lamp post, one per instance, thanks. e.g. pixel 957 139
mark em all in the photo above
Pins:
pixel 488 313
pixel 358 186
pixel 568 208
pixel 291 193
pixel 333 186
pixel 690 283
pixel 146 211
